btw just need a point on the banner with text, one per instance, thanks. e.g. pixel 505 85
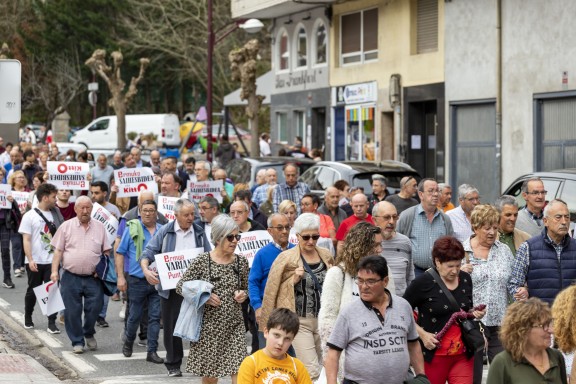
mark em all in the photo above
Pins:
pixel 250 243
pixel 49 298
pixel 101 214
pixel 5 191
pixel 68 175
pixel 22 199
pixel 198 189
pixel 172 265
pixel 131 181
pixel 166 206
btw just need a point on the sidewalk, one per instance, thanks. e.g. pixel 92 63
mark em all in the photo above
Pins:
pixel 20 368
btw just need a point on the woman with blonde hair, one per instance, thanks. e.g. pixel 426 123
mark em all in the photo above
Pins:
pixel 289 209
pixel 564 314
pixel 295 282
pixel 526 335
pixel 489 262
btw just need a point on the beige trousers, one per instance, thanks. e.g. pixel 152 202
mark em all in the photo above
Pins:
pixel 308 347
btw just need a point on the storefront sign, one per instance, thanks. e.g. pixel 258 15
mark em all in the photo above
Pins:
pixel 355 93
pixel 301 80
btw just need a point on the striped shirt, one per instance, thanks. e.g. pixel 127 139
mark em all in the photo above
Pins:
pixel 81 246
pixel 398 253
pixel 260 194
pixel 284 192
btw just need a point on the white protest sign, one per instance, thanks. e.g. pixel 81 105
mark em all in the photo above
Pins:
pixel 172 265
pixel 166 206
pixel 101 214
pixel 68 175
pixel 49 298
pixel 198 189
pixel 132 181
pixel 21 199
pixel 250 243
pixel 5 190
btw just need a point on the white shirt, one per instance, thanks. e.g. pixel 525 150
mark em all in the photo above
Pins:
pixel 32 224
pixel 265 148
pixel 208 232
pixel 184 239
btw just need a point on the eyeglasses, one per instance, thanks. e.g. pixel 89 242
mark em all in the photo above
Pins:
pixel 368 283
pixel 282 227
pixel 545 327
pixel 537 193
pixel 388 217
pixel 231 237
pixel 433 191
pixel 148 211
pixel 308 237
pixel 205 208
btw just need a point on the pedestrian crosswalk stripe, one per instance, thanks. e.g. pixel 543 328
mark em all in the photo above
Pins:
pixel 4 303
pixel 78 363
pixel 135 356
pixel 48 339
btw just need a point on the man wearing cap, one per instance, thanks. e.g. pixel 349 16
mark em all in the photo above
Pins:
pixel 405 198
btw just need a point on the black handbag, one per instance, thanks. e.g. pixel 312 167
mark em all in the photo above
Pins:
pixel 472 331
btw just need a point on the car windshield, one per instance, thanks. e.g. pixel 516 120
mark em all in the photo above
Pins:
pixel 364 180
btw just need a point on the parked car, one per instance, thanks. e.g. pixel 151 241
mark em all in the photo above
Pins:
pixel 244 170
pixel 358 174
pixel 560 184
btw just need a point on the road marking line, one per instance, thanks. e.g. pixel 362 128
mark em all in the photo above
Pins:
pixel 78 363
pixel 4 303
pixel 18 316
pixel 135 356
pixel 48 339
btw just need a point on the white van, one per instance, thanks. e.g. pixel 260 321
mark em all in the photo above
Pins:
pixel 103 132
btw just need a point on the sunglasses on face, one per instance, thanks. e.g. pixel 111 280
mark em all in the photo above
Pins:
pixel 231 237
pixel 308 237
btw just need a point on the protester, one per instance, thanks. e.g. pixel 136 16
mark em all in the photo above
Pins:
pixel 273 360
pixel 209 208
pixel 64 205
pixel 564 315
pixel 405 198
pixel 508 234
pixel 141 294
pixel 78 244
pixel 446 360
pixel 359 204
pixel 18 182
pixel 489 262
pixel 331 207
pixel 468 197
pixel 102 171
pixel 364 326
pixel 267 208
pixel 445 197
pixel 37 228
pixel 179 234
pixel 9 222
pixel 222 329
pixel 279 230
pixel 526 336
pixel 288 208
pixel 290 189
pixel 295 282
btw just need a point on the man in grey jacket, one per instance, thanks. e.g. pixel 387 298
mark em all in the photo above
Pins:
pixel 177 235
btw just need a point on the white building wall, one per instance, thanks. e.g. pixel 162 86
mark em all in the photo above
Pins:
pixel 536 48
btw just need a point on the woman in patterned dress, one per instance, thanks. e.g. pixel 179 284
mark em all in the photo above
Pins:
pixel 489 262
pixel 221 347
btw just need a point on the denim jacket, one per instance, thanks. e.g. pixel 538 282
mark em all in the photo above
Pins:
pixel 164 240
pixel 196 293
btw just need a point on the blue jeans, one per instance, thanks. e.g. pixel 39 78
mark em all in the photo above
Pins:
pixel 139 291
pixel 105 300
pixel 17 249
pixel 74 290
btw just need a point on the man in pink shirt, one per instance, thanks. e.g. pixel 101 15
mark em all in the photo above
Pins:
pixel 359 205
pixel 78 244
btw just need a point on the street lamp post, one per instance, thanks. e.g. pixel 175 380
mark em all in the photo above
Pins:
pixel 250 26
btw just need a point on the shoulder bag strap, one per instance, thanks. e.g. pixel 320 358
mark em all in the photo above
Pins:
pixel 312 275
pixel 447 292
pixel 41 215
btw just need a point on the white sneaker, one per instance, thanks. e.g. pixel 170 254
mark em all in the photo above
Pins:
pixel 18 272
pixel 122 313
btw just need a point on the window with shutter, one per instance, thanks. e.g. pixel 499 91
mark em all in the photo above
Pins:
pixel 427 26
pixel 359 37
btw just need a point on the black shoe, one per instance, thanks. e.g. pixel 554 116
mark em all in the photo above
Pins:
pixel 174 372
pixel 53 329
pixel 143 343
pixel 28 324
pixel 154 358
pixel 7 283
pixel 102 323
pixel 127 348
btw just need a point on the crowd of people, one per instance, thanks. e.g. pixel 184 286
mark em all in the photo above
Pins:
pixel 353 288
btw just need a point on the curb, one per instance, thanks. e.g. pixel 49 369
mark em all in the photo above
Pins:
pixel 34 348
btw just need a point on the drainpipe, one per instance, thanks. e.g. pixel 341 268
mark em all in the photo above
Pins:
pixel 499 162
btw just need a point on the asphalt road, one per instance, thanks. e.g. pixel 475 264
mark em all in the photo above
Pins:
pixel 105 365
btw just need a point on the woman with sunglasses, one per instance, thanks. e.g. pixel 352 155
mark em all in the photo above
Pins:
pixel 295 282
pixel 526 336
pixel 221 347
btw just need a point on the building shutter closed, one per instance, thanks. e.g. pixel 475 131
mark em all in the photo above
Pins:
pixel 427 26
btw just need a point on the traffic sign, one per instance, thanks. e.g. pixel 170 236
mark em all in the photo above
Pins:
pixel 10 91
